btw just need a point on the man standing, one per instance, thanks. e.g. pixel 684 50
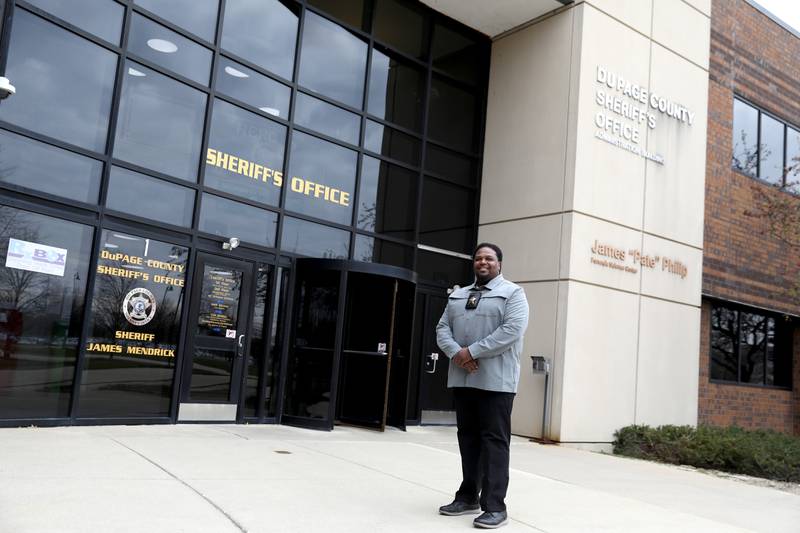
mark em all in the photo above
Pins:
pixel 481 332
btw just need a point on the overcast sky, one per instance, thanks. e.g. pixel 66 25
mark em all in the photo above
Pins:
pixel 786 10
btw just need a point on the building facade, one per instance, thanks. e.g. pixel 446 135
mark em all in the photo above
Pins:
pixel 251 210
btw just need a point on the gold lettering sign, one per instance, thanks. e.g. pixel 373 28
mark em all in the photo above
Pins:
pixel 608 256
pixel 270 176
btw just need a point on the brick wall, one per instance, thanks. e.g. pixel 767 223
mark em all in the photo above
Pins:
pixel 755 58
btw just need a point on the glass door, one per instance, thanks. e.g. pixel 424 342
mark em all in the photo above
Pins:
pixel 216 339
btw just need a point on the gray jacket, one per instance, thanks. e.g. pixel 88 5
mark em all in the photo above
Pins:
pixel 493 333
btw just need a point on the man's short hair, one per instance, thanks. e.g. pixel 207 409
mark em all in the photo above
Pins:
pixel 494 247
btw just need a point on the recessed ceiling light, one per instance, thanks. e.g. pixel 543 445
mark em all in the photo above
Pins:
pixel 236 73
pixel 162 45
pixel 133 72
pixel 271 111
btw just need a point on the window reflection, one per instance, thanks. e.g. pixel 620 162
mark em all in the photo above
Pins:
pixel 770 164
pixel 100 17
pixel 386 199
pixel 314 240
pixel 197 16
pixel 793 159
pixel 448 164
pixel 326 118
pixel 41 311
pixel 333 61
pixel 245 154
pixel 160 123
pixel 259 334
pixel 164 47
pixel 166 202
pixel 396 91
pixel 263 32
pixel 456 54
pixel 41 51
pixel 745 138
pixel 35 165
pixel 227 218
pixel 391 143
pixel 372 250
pixel 322 176
pixel 447 216
pixel 452 115
pixel 350 12
pixel 444 269
pixel 252 88
pixel 400 26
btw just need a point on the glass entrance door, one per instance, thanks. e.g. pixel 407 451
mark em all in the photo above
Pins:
pixel 350 348
pixel 217 339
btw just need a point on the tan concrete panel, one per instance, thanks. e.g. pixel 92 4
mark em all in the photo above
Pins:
pixel 526 418
pixel 674 196
pixel 683 29
pixel 635 13
pixel 599 363
pixel 530 246
pixel 526 123
pixel 676 272
pixel 669 344
pixel 600 253
pixel 609 180
pixel 702 5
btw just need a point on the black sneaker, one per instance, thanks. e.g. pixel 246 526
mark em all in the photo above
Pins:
pixel 491 520
pixel 458 508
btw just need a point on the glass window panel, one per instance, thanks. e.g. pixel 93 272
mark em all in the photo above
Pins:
pixel 793 159
pixel 372 250
pixel 245 154
pixel 752 347
pixel 263 32
pixel 452 115
pixel 724 343
pixel 770 165
pixel 164 47
pixel 456 54
pixel 745 138
pixel 160 124
pixel 41 311
pixel 350 12
pixel 443 269
pixel 211 375
pixel 129 364
pixel 391 143
pixel 333 61
pixel 326 118
pixel 779 356
pixel 387 199
pixel 100 17
pixel 314 240
pixel 35 165
pixel 448 216
pixel 322 179
pixel 252 88
pixel 227 219
pixel 396 91
pixel 400 26
pixel 273 362
pixel 457 167
pixel 197 16
pixel 129 191
pixel 41 51
pixel 259 335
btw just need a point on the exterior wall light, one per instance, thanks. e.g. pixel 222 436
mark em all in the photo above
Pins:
pixel 232 243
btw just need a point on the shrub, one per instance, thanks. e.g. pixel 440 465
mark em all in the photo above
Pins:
pixel 761 453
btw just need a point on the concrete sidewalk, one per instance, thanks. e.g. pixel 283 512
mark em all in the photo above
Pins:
pixel 229 478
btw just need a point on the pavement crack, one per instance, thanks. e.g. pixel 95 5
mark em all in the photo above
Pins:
pixel 222 511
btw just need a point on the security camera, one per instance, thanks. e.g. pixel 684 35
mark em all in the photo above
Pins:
pixel 6 89
pixel 232 243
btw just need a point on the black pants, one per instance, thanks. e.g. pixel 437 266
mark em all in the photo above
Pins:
pixel 484 436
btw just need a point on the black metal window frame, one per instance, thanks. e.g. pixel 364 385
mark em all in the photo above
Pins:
pixel 740 308
pixel 99 209
pixel 786 125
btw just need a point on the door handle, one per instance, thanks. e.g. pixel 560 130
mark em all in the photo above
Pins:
pixel 240 346
pixel 433 357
